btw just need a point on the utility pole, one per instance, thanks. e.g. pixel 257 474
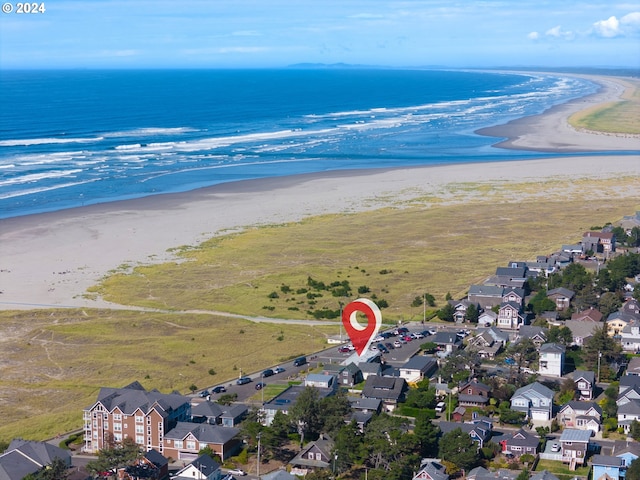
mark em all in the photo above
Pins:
pixel 258 463
pixel 599 357
pixel 424 308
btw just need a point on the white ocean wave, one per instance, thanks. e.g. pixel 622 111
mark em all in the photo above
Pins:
pixel 44 141
pixel 38 177
pixel 149 131
pixel 33 191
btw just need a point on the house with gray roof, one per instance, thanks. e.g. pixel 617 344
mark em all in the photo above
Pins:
pixel 119 412
pixel 590 314
pixel 389 390
pixel 535 400
pixel 25 457
pixel 287 399
pixel 585 383
pixel 479 431
pixel 543 475
pixel 561 296
pixel 574 445
pixel 485 345
pixel 431 470
pixel 633 368
pixel 487 296
pixel 520 443
pixel 627 413
pixel 581 330
pixel 418 368
pixel 630 337
pixel 473 394
pixel 186 439
pixel 538 335
pixel 202 467
pixel 481 473
pixel 278 475
pixel 581 415
pixel 447 341
pixel 606 467
pixel 510 316
pixel 314 456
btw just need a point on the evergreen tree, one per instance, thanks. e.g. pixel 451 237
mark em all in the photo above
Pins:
pixel 633 472
pixel 427 434
pixel 457 447
pixel 472 313
pixel 306 414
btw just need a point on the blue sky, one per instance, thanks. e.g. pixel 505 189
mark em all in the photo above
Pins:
pixel 273 33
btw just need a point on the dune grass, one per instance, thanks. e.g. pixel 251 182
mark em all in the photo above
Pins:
pixel 397 253
pixel 55 362
pixel 622 117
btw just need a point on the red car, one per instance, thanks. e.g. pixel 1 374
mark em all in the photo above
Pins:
pixel 407 338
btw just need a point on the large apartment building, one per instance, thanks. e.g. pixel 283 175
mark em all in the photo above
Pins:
pixel 133 412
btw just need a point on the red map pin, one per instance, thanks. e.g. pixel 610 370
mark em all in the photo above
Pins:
pixel 361 336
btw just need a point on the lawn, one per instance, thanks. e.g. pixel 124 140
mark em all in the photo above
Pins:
pixel 561 470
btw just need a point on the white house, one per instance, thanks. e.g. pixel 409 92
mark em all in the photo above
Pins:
pixel 551 359
pixel 627 413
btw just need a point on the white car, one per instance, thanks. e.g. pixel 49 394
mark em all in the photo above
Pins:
pixel 555 447
pixel 237 471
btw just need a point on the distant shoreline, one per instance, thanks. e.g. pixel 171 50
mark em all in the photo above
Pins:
pixel 50 259
pixel 551 132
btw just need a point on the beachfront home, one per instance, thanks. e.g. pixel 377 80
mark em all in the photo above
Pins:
pixel 186 439
pixel 581 415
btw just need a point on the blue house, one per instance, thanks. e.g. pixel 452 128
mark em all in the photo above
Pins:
pixel 627 452
pixel 606 467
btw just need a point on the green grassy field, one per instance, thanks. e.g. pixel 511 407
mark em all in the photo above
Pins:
pixel 54 361
pixel 615 117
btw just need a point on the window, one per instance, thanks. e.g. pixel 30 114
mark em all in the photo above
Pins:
pixel 582 385
pixel 139 429
pixel 311 455
pixel 106 416
pixel 543 364
pixel 148 420
pixel 139 439
pixel 117 437
pixel 117 427
pixel 139 419
pixel 117 417
pixel 318 456
pixel 106 425
pixel 191 445
pixel 177 443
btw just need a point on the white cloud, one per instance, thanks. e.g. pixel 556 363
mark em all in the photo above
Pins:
pixel 607 28
pixel 533 36
pixel 612 27
pixel 631 19
pixel 557 32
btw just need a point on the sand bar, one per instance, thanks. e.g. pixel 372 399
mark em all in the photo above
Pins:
pixel 49 260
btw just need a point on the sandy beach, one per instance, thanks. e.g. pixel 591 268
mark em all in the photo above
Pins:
pixel 49 260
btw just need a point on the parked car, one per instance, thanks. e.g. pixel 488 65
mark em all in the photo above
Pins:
pixel 204 393
pixel 260 385
pixel 298 362
pixel 397 344
pixel 344 349
pixel 432 331
pixel 218 389
pixel 237 471
pixel 378 338
pixel 382 348
pixel 243 381
pixel 407 338
pixel 373 348
pixel 267 373
pixel 278 370
pixel 401 331
pixel 389 345
pixel 440 407
pixel 555 447
pixel 487 324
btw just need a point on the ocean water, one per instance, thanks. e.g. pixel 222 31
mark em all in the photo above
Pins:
pixel 71 138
